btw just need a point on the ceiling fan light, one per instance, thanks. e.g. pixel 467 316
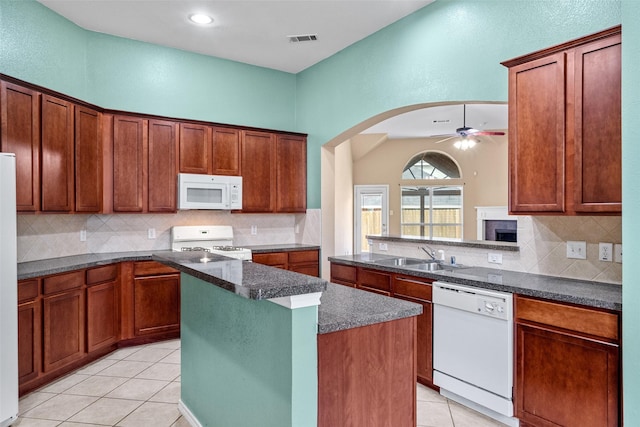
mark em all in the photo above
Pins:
pixel 465 143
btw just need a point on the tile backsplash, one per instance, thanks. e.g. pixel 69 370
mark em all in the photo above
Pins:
pixel 52 236
pixel 542 241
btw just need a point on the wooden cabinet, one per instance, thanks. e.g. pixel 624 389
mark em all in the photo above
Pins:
pixel 346 275
pixel 144 165
pixel 57 155
pixel 88 160
pixel 20 134
pixel 129 165
pixel 359 368
pixel 567 364
pixel 565 127
pixel 291 173
pixel 103 308
pixel 418 290
pixel 63 313
pixel 258 172
pixel 162 181
pixel 226 151
pixel 29 331
pixel 374 281
pixel 195 148
pixel 304 261
pixel 156 299
pixel 274 172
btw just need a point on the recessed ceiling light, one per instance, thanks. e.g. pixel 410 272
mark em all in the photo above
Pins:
pixel 200 18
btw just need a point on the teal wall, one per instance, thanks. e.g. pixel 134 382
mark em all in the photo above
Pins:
pixel 246 362
pixel 631 211
pixel 40 47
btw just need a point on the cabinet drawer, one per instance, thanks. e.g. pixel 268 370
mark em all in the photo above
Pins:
pixel 107 273
pixel 151 268
pixel 63 282
pixel 276 258
pixel 579 319
pixel 27 290
pixel 343 273
pixel 303 256
pixel 373 279
pixel 412 287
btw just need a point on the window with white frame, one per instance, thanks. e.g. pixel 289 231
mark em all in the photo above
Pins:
pixel 431 211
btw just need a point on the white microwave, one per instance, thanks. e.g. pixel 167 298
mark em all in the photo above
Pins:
pixel 213 192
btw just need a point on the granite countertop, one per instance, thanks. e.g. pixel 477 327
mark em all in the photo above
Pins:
pixel 342 307
pixel 588 293
pixel 248 279
pixel 283 247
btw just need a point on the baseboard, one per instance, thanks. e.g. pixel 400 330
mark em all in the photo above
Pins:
pixel 188 415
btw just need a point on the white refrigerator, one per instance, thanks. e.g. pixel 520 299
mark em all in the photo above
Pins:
pixel 8 292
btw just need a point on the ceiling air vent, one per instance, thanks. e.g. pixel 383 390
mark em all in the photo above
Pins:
pixel 303 38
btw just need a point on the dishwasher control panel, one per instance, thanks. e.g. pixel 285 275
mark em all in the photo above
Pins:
pixel 493 307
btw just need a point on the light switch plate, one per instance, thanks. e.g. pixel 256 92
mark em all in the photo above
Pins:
pixel 617 253
pixel 494 258
pixel 576 250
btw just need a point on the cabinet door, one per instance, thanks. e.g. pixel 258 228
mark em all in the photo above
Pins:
pixel 258 172
pixel 195 148
pixel 129 164
pixel 565 380
pixel 29 339
pixel 419 292
pixel 291 167
pixel 374 279
pixel 162 166
pixel 20 134
pixel 156 304
pixel 102 315
pixel 226 151
pixel 598 135
pixel 88 164
pixel 64 329
pixel 57 155
pixel 273 259
pixel 537 135
pixel 344 274
pixel 305 262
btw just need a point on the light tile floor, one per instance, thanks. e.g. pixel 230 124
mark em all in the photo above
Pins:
pixel 140 386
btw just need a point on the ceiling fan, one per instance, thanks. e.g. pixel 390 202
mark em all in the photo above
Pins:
pixel 466 134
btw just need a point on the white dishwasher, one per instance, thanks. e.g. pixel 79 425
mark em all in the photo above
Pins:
pixel 473 348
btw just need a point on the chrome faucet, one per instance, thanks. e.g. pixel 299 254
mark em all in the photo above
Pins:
pixel 430 252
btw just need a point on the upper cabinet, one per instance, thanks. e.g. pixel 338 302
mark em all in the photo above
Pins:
pixel 274 172
pixel 565 128
pixel 209 150
pixel 88 160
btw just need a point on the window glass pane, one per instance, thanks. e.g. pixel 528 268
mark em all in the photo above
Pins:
pixel 431 165
pixel 432 212
pixel 370 218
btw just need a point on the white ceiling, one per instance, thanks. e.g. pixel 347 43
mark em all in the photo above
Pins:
pixel 252 32
pixel 442 120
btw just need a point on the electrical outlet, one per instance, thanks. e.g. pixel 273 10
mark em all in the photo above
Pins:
pixel 254 230
pixel 577 250
pixel 383 247
pixel 83 235
pixel 151 233
pixel 617 253
pixel 494 258
pixel 605 252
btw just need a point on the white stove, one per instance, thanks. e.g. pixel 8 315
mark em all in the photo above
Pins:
pixel 216 239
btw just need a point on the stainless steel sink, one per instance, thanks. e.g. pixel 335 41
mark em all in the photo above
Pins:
pixel 434 266
pixel 398 262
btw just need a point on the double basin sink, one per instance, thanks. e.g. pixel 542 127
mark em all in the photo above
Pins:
pixel 417 264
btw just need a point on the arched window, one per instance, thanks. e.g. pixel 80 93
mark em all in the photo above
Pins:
pixel 431 165
pixel 431 211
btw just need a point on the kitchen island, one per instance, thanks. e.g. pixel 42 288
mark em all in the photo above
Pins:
pixel 263 346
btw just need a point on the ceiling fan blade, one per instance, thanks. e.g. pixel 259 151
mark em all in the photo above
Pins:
pixel 447 139
pixel 444 135
pixel 488 133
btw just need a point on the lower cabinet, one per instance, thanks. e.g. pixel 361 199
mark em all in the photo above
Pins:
pixel 63 314
pixel 305 261
pixel 103 308
pixel 414 289
pixel 29 330
pixel 567 365
pixel 418 290
pixel 156 299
